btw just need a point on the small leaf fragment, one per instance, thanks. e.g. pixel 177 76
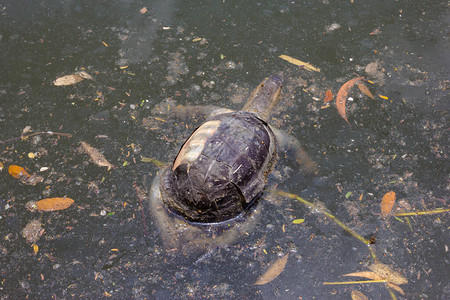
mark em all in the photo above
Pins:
pixel 365 90
pixel 387 203
pixel 298 221
pixel 33 231
pixel 348 195
pixel 72 79
pixel 299 63
pixel 383 97
pixel 52 204
pixel 274 270
pixel 328 96
pixel 95 155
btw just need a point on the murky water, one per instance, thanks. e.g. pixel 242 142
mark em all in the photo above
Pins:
pixel 210 52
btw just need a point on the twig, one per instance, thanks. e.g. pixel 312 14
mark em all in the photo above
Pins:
pixel 311 206
pixel 419 213
pixel 24 137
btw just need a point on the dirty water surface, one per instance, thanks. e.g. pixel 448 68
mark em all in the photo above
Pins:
pixel 100 139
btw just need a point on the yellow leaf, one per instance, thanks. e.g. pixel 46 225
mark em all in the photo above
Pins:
pixel 387 203
pixel 299 63
pixel 35 248
pixel 51 204
pixel 383 97
pixel 298 221
pixel 274 270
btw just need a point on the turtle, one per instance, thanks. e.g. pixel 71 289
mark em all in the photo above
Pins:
pixel 208 196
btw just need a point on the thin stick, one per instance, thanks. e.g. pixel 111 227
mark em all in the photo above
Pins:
pixel 24 137
pixel 420 213
pixel 311 206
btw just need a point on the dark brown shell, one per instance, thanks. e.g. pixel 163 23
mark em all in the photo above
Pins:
pixel 221 168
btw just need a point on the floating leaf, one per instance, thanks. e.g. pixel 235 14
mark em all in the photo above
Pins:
pixel 51 204
pixel 274 270
pixel 386 272
pixel 328 96
pixel 299 63
pixel 387 203
pixel 341 97
pixel 357 295
pixel 24 177
pixel 95 155
pixel 365 90
pixel 298 221
pixel 72 79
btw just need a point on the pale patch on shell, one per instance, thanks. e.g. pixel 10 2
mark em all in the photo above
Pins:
pixel 195 144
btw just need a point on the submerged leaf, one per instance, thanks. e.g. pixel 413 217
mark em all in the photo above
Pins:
pixel 341 97
pixel 95 155
pixel 274 270
pixel 51 204
pixel 387 203
pixel 365 274
pixel 363 88
pixel 386 272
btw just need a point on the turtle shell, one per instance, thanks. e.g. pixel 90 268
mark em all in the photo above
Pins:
pixel 221 168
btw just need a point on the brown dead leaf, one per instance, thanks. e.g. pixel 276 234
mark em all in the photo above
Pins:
pixel 95 155
pixel 274 270
pixel 365 90
pixel 387 203
pixel 342 95
pixel 328 96
pixel 357 295
pixel 51 204
pixel 24 177
pixel 72 79
pixel 386 272
pixel 366 274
